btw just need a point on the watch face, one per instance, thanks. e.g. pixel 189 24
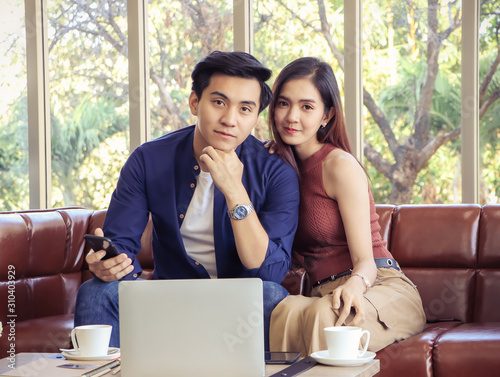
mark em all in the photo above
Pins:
pixel 240 212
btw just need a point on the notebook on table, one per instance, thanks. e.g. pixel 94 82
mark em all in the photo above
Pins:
pixel 202 327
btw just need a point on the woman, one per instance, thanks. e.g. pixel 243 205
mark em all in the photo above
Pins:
pixel 355 280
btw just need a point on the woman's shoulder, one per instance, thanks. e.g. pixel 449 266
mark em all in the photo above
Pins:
pixel 341 168
pixel 338 159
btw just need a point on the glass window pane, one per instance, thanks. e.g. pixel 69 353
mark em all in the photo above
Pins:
pixel 288 29
pixel 88 72
pixel 489 101
pixel 412 103
pixel 181 32
pixel 14 184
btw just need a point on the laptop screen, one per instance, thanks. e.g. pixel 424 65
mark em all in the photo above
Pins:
pixel 182 328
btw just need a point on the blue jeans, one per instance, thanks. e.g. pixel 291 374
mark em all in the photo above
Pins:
pixel 97 303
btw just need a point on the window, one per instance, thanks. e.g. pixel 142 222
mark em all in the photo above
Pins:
pixel 14 187
pixel 489 105
pixel 81 136
pixel 88 73
pixel 181 32
pixel 411 68
pixel 285 30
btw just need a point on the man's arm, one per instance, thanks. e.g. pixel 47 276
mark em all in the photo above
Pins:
pixel 266 235
pixel 125 222
pixel 226 170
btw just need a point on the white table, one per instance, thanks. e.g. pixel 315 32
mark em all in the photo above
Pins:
pixel 365 370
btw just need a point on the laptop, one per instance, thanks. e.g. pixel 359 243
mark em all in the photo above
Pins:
pixel 185 328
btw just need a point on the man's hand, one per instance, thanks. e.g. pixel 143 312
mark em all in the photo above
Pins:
pixel 225 168
pixel 110 269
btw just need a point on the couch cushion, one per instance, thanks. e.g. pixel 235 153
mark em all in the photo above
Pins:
pixel 486 308
pixel 384 211
pixel 447 293
pixel 487 304
pixel 489 237
pixel 412 357
pixel 41 252
pixel 465 348
pixel 437 247
pixel 44 250
pixel 46 334
pixel 436 235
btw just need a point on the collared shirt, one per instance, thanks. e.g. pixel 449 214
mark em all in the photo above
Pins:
pixel 159 178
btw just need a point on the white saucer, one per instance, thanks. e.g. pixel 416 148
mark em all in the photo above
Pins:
pixel 113 353
pixel 324 358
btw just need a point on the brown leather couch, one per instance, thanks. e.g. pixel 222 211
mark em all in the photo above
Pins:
pixel 451 252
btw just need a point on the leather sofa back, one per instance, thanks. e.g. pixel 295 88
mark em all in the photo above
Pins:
pixel 145 256
pixel 452 254
pixel 45 249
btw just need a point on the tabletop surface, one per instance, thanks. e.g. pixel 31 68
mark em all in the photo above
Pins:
pixel 47 367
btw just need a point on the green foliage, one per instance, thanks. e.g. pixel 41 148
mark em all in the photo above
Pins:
pixel 182 32
pixel 14 185
pixel 92 122
pixel 88 71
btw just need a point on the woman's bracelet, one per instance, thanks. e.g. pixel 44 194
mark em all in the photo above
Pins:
pixel 365 281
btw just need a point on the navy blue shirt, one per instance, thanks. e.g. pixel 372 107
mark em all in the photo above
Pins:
pixel 159 178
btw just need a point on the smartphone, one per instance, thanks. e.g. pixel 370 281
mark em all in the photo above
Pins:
pixel 98 243
pixel 281 357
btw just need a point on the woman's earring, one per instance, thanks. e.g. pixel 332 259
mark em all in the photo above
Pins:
pixel 323 126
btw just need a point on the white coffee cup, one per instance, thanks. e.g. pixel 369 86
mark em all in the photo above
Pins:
pixel 344 341
pixel 91 340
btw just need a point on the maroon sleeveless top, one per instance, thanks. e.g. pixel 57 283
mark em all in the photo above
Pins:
pixel 320 237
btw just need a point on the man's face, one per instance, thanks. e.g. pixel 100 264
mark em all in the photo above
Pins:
pixel 227 112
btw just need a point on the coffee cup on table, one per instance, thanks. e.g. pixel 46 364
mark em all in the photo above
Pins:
pixel 344 342
pixel 91 340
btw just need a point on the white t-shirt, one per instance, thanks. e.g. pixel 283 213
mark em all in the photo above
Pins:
pixel 197 228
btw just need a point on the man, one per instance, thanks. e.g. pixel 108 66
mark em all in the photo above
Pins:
pixel 221 206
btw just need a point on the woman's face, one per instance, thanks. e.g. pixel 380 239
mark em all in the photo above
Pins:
pixel 298 113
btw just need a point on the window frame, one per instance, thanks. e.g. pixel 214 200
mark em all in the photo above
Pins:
pixel 140 132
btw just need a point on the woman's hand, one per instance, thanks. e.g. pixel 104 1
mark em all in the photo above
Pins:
pixel 347 297
pixel 271 145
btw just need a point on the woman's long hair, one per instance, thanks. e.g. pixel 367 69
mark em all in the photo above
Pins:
pixel 321 74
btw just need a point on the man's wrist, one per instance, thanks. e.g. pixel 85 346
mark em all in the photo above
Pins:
pixel 240 211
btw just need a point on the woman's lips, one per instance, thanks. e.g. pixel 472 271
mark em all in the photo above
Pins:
pixel 290 130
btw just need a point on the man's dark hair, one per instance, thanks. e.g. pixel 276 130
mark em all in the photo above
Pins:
pixel 238 64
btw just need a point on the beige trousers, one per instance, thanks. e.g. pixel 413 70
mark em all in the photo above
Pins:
pixel 393 312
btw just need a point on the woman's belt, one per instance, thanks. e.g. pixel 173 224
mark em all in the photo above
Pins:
pixel 379 262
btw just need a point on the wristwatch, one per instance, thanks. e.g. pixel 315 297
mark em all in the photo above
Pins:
pixel 240 211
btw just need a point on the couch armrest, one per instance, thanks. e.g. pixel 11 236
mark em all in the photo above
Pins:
pixel 294 281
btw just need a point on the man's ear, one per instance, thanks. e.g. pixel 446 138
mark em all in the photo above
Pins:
pixel 193 103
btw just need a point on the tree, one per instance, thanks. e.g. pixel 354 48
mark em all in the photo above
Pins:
pixel 14 188
pixel 74 140
pixel 411 91
pixel 410 152
pixel 182 32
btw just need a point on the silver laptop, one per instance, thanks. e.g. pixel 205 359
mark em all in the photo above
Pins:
pixel 209 327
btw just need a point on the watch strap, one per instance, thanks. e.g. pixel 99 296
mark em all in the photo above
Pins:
pixel 231 212
pixel 297 368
